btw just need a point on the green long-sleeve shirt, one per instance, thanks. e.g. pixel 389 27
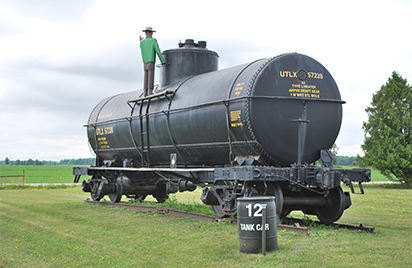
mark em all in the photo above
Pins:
pixel 148 47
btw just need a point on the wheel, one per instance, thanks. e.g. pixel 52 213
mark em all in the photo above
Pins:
pixel 160 198
pixel 117 195
pixel 333 209
pixel 272 189
pixel 218 209
pixel 161 194
pixel 96 197
pixel 221 214
pixel 95 193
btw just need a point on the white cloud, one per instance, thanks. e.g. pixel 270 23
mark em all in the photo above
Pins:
pixel 60 58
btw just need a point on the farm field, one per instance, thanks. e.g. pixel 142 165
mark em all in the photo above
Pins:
pixel 56 228
pixel 64 174
pixel 38 174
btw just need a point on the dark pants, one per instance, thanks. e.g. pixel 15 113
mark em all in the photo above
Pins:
pixel 149 69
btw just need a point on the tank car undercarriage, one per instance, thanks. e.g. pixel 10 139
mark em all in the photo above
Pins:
pixel 313 190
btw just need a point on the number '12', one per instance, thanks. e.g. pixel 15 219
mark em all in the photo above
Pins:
pixel 258 212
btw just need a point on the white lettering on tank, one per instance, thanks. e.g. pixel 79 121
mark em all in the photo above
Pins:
pixel 251 227
pixel 259 227
pixel 247 227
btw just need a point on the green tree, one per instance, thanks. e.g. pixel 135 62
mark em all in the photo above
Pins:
pixel 7 161
pixel 388 132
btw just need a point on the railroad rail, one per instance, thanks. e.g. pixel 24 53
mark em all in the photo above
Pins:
pixel 296 227
pixel 360 227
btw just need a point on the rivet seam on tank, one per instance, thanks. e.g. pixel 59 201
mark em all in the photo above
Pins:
pixel 258 147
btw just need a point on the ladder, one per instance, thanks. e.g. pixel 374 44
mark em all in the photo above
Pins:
pixel 144 133
pixel 144 124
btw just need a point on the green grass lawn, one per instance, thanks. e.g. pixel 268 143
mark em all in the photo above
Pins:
pixel 377 176
pixel 56 228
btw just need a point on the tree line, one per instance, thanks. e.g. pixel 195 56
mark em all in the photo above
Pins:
pixel 31 162
pixel 346 161
pixel 341 161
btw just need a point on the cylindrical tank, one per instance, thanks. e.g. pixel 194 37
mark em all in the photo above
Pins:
pixel 263 109
pixel 189 59
pixel 249 222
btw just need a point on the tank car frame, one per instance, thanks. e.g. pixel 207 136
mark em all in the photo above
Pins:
pixel 311 189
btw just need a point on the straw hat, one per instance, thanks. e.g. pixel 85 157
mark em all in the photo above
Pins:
pixel 149 29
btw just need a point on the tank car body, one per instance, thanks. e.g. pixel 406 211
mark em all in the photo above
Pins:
pixel 252 129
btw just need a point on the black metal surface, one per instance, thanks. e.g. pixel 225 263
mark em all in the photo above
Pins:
pixel 189 59
pixel 270 119
pixel 333 208
pixel 116 195
pixel 195 120
pixel 253 129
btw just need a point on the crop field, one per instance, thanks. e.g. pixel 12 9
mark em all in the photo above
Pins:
pixel 63 174
pixel 38 174
pixel 42 227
